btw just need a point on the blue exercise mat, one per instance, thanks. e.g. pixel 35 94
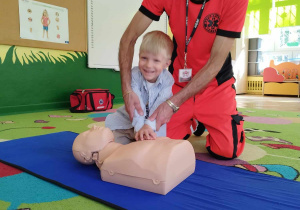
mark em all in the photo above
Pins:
pixel 211 186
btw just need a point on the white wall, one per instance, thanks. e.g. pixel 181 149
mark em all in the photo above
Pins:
pixel 240 64
pixel 107 21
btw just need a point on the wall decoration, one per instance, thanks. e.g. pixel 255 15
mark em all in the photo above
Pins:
pixel 43 22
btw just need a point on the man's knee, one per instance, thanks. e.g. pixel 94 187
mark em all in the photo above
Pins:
pixel 179 135
pixel 229 145
pixel 179 131
pixel 221 154
pixel 226 153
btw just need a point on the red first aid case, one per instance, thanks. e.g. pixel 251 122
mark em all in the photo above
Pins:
pixel 88 100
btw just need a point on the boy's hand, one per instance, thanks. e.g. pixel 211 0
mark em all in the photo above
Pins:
pixel 145 133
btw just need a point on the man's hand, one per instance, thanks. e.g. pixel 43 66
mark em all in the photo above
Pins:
pixel 162 114
pixel 145 133
pixel 132 102
pixel 137 26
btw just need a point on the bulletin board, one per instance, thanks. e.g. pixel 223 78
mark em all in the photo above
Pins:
pixel 77 19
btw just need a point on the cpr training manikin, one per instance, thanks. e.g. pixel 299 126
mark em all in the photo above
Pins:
pixel 151 165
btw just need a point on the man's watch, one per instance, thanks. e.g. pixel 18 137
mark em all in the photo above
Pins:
pixel 173 106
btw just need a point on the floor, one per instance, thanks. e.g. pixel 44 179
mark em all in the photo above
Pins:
pixel 279 103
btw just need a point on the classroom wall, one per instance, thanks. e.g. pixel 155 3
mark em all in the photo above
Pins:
pixel 33 79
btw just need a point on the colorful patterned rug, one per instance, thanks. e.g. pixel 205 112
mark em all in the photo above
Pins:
pixel 272 147
pixel 272 144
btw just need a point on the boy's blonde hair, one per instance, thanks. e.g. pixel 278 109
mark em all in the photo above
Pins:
pixel 156 42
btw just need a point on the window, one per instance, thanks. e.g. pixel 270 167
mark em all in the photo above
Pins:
pixel 282 45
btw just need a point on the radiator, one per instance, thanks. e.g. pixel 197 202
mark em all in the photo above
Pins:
pixel 254 85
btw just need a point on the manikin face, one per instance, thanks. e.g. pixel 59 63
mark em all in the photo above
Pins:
pixel 151 65
pixel 91 141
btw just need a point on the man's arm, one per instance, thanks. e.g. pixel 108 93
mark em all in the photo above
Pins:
pixel 137 26
pixel 219 52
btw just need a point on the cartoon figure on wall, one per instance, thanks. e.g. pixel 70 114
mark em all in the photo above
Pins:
pixel 57 26
pixel 30 20
pixel 46 22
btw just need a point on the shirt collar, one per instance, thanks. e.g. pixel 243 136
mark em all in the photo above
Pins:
pixel 198 1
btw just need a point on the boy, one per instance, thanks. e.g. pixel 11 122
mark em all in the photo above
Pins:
pixel 153 85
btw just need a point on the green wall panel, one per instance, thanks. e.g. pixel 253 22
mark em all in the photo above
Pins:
pixel 261 13
pixel 37 80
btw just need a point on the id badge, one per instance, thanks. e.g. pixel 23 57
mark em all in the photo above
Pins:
pixel 185 75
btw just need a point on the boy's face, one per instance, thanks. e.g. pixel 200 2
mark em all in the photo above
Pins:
pixel 152 65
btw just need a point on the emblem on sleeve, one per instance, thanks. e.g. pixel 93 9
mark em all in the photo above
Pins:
pixel 211 22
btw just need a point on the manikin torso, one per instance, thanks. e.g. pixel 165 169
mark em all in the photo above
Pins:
pixel 153 165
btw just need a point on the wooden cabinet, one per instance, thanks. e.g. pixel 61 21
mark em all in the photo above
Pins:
pixel 282 88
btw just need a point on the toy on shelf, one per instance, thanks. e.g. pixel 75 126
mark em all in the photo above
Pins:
pixel 281 79
pixel 288 69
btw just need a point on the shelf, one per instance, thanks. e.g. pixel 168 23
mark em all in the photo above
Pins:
pixel 259 51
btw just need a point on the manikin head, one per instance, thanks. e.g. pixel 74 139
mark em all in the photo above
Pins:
pixel 90 142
